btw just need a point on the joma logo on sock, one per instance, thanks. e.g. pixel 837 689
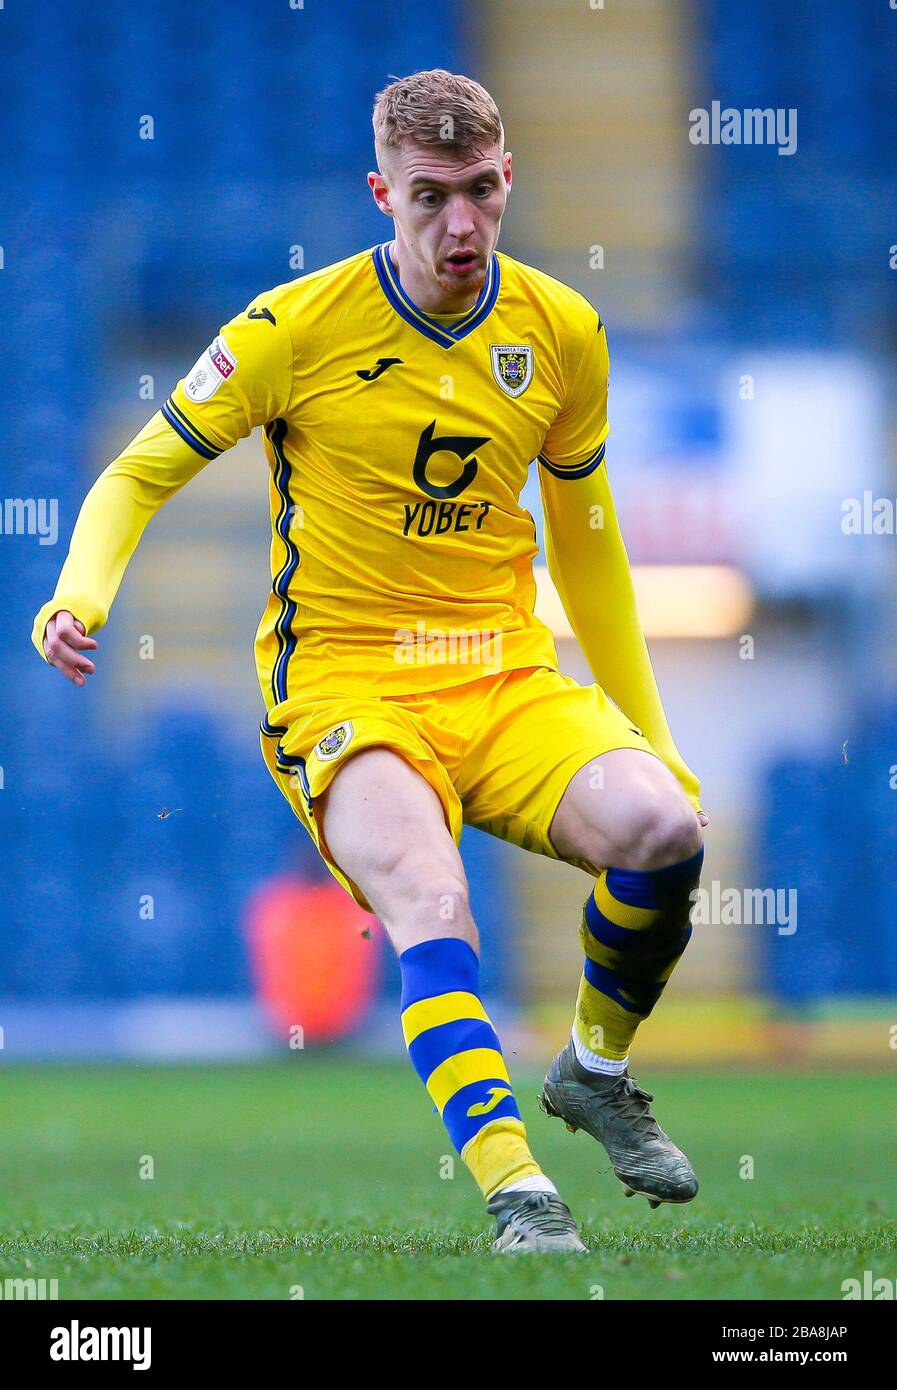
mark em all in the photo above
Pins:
pixel 745 907
pixel 77 1343
pixel 482 1107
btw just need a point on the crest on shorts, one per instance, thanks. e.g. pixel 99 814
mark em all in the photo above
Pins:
pixel 512 367
pixel 332 744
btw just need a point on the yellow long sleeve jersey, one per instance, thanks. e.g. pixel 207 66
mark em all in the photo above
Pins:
pixel 398 446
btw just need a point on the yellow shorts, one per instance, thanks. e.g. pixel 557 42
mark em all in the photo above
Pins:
pixel 499 751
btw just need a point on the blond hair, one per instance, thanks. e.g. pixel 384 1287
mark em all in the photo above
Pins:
pixel 436 108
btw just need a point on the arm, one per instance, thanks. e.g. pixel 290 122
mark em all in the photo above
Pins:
pixel 242 379
pixel 112 519
pixel 588 561
pixel 590 569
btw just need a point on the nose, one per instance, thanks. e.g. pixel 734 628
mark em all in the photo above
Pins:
pixel 460 224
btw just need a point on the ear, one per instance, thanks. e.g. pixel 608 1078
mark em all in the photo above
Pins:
pixel 379 188
pixel 506 161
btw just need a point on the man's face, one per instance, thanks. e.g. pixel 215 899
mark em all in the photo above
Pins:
pixel 447 208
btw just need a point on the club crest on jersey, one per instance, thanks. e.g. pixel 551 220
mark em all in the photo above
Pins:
pixel 512 367
pixel 215 365
pixel 332 744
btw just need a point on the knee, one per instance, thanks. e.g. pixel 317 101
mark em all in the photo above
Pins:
pixel 418 893
pixel 671 834
pixel 662 831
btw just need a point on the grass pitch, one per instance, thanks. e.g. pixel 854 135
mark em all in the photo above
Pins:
pixel 325 1175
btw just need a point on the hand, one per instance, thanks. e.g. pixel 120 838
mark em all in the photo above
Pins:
pixel 65 642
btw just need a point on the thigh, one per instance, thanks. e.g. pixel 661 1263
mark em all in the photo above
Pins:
pixel 320 738
pixel 385 827
pixel 536 731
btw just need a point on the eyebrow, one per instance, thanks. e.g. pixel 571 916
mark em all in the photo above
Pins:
pixel 487 176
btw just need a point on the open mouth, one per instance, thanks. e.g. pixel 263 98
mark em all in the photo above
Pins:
pixel 459 262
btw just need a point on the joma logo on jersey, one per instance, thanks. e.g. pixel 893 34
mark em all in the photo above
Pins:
pixel 383 364
pixel 332 744
pixel 512 367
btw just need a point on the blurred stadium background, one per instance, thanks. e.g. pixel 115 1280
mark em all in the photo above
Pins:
pixel 159 900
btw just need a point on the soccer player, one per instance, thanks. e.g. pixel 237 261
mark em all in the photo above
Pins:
pixel 407 686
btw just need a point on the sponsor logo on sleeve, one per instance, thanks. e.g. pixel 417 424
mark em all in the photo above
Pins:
pixel 215 365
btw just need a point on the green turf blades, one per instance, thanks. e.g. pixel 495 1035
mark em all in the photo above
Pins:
pixel 270 1184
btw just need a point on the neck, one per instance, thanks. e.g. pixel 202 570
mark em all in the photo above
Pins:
pixel 426 293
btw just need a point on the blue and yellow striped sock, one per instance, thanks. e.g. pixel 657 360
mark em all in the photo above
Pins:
pixel 635 926
pixel 456 1053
